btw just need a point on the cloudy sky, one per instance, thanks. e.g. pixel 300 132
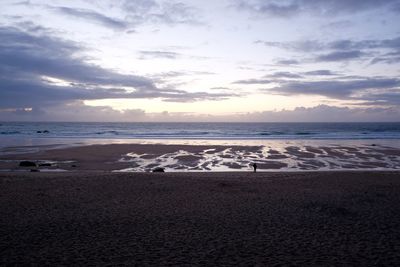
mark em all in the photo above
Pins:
pixel 200 60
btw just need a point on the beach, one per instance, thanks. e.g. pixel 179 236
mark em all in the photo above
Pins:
pixel 142 157
pixel 310 203
pixel 200 218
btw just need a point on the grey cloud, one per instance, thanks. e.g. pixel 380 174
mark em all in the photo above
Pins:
pixel 328 114
pixel 312 114
pixel 313 45
pixel 298 46
pixel 159 54
pixel 165 76
pixel 26 59
pixel 396 7
pixel 197 96
pixel 220 88
pixel 151 54
pixel 340 56
pixel 287 62
pixel 271 8
pixel 320 73
pixel 68 112
pixel 254 81
pixel 92 16
pixel 31 56
pixel 334 88
pixel 341 24
pixel 284 74
pixel 389 58
pixel 343 50
pixel 134 13
pixel 167 12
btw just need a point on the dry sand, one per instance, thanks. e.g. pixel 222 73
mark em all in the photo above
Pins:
pixel 200 219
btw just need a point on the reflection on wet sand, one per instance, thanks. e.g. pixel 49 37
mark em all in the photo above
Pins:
pixel 209 157
pixel 286 158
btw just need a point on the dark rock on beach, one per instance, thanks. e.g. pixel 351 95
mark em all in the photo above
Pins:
pixel 158 169
pixel 27 163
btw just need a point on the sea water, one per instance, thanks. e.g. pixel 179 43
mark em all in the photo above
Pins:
pixel 206 131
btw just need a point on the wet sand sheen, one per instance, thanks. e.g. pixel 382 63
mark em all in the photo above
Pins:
pixel 145 157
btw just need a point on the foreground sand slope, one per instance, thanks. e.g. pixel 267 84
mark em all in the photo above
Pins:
pixel 320 218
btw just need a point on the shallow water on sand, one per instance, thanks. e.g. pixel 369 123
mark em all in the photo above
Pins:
pixel 271 158
pixel 217 155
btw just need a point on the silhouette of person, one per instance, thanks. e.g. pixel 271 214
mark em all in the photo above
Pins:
pixel 254 166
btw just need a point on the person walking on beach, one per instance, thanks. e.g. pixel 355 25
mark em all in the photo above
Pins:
pixel 254 167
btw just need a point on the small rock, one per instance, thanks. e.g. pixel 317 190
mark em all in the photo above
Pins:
pixel 73 166
pixel 46 131
pixel 27 163
pixel 38 131
pixel 158 169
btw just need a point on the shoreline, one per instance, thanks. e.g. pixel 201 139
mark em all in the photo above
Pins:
pixel 7 144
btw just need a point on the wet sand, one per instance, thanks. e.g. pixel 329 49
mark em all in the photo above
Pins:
pixel 200 219
pixel 178 158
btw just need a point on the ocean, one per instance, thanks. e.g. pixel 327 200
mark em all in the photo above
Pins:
pixel 200 131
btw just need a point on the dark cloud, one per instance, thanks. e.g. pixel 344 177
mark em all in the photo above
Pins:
pixel 290 8
pixel 32 66
pixel 335 88
pixel 68 112
pixel 344 50
pixel 92 16
pixel 340 56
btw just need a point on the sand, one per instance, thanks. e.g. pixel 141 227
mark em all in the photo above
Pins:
pixel 146 157
pixel 200 219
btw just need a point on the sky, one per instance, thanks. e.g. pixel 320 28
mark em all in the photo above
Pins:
pixel 200 60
